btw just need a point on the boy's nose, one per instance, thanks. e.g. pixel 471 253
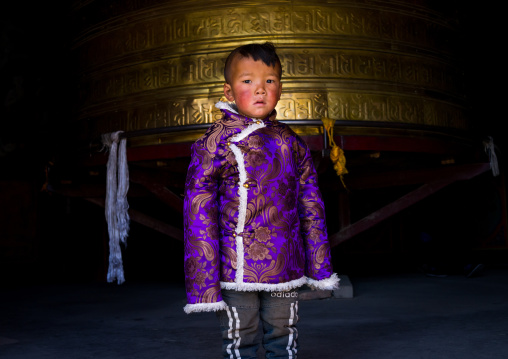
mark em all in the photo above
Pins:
pixel 260 90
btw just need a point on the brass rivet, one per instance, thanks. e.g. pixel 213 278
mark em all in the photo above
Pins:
pixel 229 144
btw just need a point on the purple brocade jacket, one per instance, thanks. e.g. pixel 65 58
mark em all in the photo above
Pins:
pixel 254 218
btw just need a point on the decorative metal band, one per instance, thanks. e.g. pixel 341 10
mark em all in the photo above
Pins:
pixel 200 74
pixel 352 106
pixel 177 26
pixel 152 63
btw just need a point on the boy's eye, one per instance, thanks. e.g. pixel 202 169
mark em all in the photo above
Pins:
pixel 247 81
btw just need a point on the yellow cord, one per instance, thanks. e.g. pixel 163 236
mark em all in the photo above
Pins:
pixel 336 154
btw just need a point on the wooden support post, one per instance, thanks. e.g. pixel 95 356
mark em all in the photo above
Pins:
pixel 460 173
pixel 387 211
pixel 344 210
pixel 149 181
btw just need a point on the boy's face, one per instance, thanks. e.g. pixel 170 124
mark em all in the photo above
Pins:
pixel 254 86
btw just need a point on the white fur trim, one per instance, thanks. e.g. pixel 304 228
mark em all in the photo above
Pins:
pixel 242 212
pixel 329 283
pixel 241 166
pixel 247 131
pixel 267 287
pixel 242 192
pixel 205 307
pixel 239 262
pixel 230 106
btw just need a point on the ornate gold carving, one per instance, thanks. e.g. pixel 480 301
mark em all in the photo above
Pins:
pixel 198 73
pixel 393 108
pixel 176 27
pixel 158 65
pixel 302 106
pixel 293 106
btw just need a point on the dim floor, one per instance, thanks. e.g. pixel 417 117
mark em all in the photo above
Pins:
pixel 391 316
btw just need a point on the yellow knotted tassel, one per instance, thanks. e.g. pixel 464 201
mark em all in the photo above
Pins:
pixel 336 154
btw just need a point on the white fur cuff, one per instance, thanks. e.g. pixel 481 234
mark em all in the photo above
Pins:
pixel 205 307
pixel 330 283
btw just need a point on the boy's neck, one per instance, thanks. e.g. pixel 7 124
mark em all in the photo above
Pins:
pixel 231 107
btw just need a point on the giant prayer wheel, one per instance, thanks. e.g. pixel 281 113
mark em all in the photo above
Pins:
pixel 154 68
pixel 389 73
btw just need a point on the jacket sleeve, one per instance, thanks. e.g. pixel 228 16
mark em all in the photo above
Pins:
pixel 311 210
pixel 201 233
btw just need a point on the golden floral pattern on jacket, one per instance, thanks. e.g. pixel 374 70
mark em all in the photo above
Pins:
pixel 284 236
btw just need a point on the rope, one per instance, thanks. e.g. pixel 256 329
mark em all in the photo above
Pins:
pixel 490 150
pixel 117 217
pixel 336 154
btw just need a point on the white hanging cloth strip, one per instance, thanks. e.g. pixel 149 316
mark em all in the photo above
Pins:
pixel 117 216
pixel 490 150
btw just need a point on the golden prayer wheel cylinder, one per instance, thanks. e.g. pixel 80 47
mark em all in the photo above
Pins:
pixel 159 64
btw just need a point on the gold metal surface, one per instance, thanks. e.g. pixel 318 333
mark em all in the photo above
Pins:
pixel 152 64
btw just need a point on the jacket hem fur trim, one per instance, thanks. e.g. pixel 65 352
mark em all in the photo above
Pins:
pixel 329 283
pixel 205 307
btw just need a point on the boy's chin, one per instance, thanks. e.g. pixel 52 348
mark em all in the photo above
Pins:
pixel 256 116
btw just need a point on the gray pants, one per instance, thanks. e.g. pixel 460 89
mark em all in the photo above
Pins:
pixel 278 313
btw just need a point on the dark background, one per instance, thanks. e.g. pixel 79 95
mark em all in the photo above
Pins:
pixel 48 237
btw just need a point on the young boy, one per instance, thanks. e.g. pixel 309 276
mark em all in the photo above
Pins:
pixel 254 218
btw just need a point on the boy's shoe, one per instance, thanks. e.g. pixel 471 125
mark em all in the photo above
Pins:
pixel 472 270
pixel 433 271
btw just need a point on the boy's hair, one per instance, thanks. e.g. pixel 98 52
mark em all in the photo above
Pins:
pixel 264 52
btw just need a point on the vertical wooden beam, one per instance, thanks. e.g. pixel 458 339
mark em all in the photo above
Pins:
pixel 344 210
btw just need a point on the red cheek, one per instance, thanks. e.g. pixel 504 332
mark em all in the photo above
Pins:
pixel 242 97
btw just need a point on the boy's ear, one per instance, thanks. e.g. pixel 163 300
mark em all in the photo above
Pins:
pixel 228 92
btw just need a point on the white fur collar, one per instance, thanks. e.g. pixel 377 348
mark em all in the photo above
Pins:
pixel 230 106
